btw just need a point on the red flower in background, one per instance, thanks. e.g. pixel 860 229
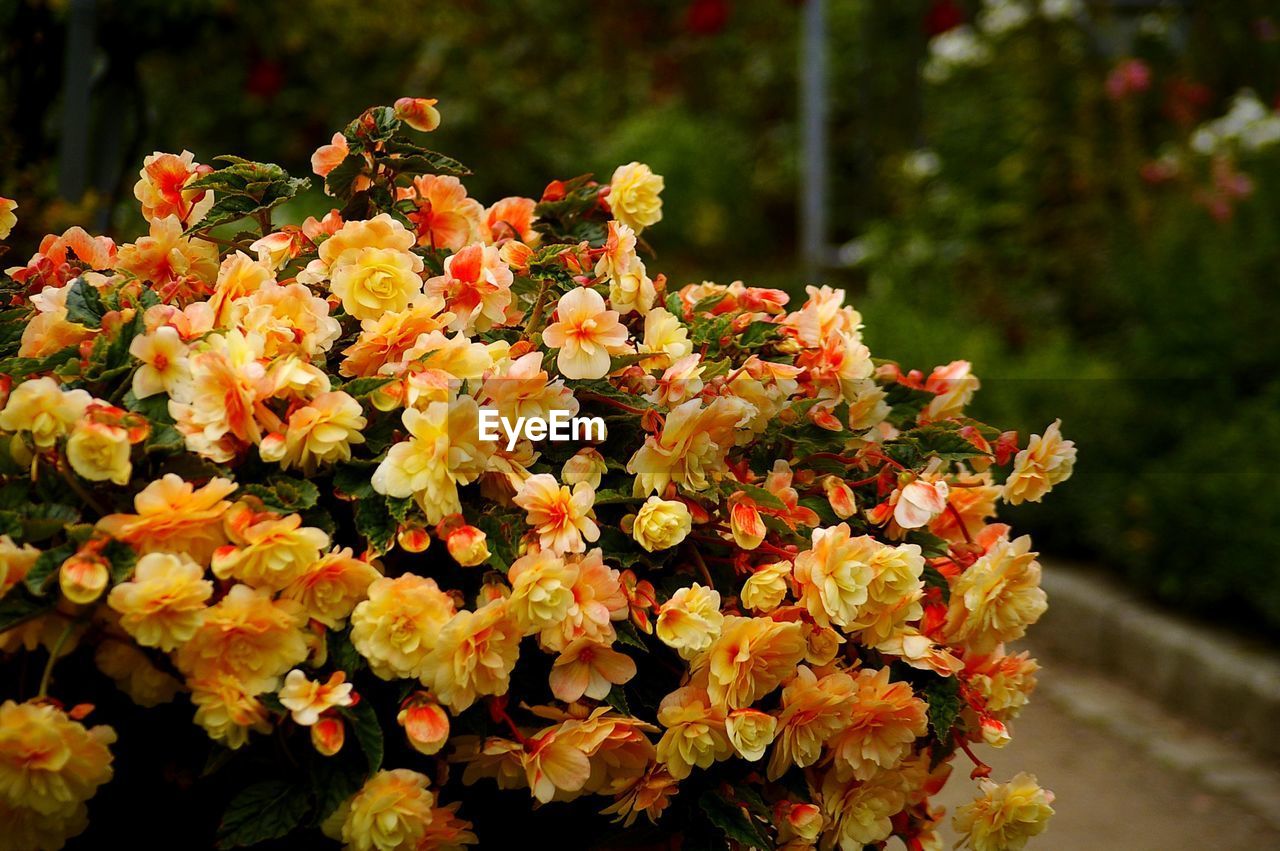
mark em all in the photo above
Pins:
pixel 1185 101
pixel 943 15
pixel 1129 77
pixel 706 17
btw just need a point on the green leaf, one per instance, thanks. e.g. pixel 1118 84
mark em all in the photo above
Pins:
pixel 361 387
pixel 332 784
pixel 375 523
pixel 629 635
pixel 757 334
pixel 617 698
pixel 364 725
pixel 285 494
pixel 735 821
pixel 407 158
pixel 341 181
pixel 122 558
pixel 354 480
pixel 945 441
pixel 84 304
pixel 945 703
pixel 757 494
pixel 17 608
pixel 934 579
pixel 267 810
pixel 244 189
pixel 42 573
pixel 342 653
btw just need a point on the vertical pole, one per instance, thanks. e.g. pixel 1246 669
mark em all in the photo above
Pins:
pixel 813 138
pixel 73 146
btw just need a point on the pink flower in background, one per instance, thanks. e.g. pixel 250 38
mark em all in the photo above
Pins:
pixel 1130 77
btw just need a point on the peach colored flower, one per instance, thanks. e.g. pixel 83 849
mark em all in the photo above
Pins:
pixel 290 320
pixel 99 452
pixel 61 258
pixel 386 338
pixel 174 516
pixel 323 431
pixel 750 732
pixel 474 655
pixel 954 385
pixel 997 597
pixel 349 239
pixel 328 735
pixel 691 620
pixel 15 561
pixel 562 517
pixel 266 549
pixel 885 720
pixel 445 217
pixel 475 286
pixel 163 603
pixel 1005 815
pixel 42 408
pixel 513 218
pixel 425 723
pixel 598 600
pixel 328 157
pixel 248 636
pixel 307 699
pixel 691 447
pixel 162 189
pixel 329 588
pixel 749 659
pixel 419 113
pixel 765 589
pixel 7 218
pixel 666 337
pixel 134 674
pixel 586 333
pixel 974 503
pixel 48 762
pixel 374 281
pixel 391 812
pixel 695 735
pixel 180 269
pixel 1047 461
pixel 586 668
pixel 813 710
pixel 833 577
pixel 164 362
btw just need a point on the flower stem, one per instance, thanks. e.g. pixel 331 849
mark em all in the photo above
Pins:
pixel 53 657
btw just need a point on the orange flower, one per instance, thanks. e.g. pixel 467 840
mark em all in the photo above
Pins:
pixel 181 269
pixel 474 655
pixel 445 217
pixel 886 719
pixel 425 723
pixel 419 113
pixel 476 287
pixel 248 636
pixel 386 338
pixel 813 710
pixel 174 516
pixel 162 189
pixel 749 659
pixel 306 699
pixel 330 156
pixel 512 218
pixel 329 588
pixel 267 550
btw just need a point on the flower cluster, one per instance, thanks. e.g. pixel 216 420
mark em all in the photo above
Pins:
pixel 245 472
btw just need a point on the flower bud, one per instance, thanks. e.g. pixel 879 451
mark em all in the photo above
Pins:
pixel 661 524
pixel 328 735
pixel 744 520
pixel 419 113
pixel 994 733
pixel 425 723
pixel 799 821
pixel 468 546
pixel 841 498
pixel 273 448
pixel 515 254
pixel 920 502
pixel 413 539
pixel 750 732
pixel 586 465
pixel 765 589
pixel 83 577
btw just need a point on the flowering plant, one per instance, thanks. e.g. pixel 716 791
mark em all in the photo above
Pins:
pixel 764 608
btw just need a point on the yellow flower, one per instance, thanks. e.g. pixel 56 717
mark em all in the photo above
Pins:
pixel 239 275
pixel 751 732
pixel 860 813
pixel 664 335
pixel 443 451
pixel 886 719
pixel 1047 461
pixel 134 674
pixel 15 561
pixel 26 829
pixel 661 523
pixel 598 600
pixel 322 431
pixel 164 362
pixel 586 465
pixel 99 452
pixel 267 550
pixel 1004 680
pixel 419 113
pixel 161 605
pixel 691 448
pixel 391 812
pixel 226 709
pixel 765 589
pixel 561 517
pixel 997 597
pixel 473 656
pixel 586 333
pixel 290 320
pixel 385 339
pixel 541 590
pixel 306 699
pixel 329 588
pixel 1005 816
pixel 835 574
pixel 893 595
pixel 48 762
pixel 377 280
pixel 248 636
pixel 44 409
pixel 813 710
pixel 630 288
pixel 346 243
pixel 174 516
pixel 468 545
pixel 690 620
pixel 954 385
pixel 83 577
pixel 7 218
pixel 397 626
pixel 587 668
pixel 180 268
pixel 695 734
pixel 634 196
pixel 749 659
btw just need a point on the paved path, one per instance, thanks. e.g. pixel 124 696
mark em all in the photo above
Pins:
pixel 1128 776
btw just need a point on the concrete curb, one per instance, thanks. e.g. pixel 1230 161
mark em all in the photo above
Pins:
pixel 1218 680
